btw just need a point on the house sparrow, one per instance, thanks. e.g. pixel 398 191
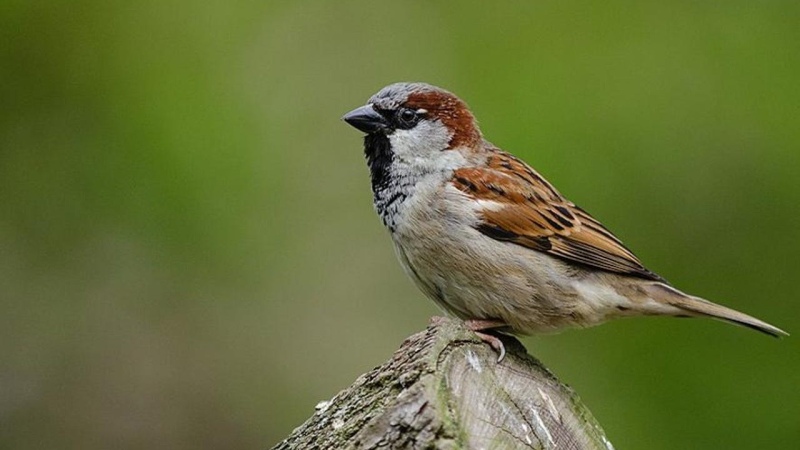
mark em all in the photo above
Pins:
pixel 489 239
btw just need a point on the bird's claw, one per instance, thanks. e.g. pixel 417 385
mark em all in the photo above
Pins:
pixel 495 343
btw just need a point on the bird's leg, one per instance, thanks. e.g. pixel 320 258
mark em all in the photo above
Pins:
pixel 479 325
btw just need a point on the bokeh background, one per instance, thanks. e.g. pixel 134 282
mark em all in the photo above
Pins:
pixel 188 252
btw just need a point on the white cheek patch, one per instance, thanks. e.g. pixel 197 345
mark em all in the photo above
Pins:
pixel 422 141
pixel 421 164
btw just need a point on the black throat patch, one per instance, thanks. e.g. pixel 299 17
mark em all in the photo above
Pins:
pixel 389 190
pixel 378 152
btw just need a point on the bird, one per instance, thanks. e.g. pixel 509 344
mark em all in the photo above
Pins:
pixel 489 239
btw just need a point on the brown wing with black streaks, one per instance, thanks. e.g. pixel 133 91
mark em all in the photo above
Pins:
pixel 534 215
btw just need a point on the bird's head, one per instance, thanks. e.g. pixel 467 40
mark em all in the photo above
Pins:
pixel 417 119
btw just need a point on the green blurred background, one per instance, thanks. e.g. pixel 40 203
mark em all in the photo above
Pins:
pixel 188 252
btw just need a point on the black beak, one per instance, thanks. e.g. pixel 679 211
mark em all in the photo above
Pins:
pixel 366 119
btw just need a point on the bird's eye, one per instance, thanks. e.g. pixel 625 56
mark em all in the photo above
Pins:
pixel 407 118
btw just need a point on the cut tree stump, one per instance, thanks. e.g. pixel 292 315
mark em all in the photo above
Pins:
pixel 444 389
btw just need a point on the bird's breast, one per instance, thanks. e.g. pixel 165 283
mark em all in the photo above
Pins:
pixel 409 196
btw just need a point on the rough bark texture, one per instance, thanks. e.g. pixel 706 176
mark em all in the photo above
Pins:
pixel 443 389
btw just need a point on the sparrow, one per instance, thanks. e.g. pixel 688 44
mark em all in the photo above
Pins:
pixel 492 242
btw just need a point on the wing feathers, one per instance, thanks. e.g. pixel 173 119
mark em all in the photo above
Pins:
pixel 536 216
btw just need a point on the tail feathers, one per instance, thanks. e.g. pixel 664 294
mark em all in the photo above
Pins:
pixel 700 307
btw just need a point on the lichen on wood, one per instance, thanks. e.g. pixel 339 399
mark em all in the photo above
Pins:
pixel 444 389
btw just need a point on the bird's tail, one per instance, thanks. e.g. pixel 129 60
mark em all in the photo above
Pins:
pixel 696 306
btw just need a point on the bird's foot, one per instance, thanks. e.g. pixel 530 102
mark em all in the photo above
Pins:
pixel 477 326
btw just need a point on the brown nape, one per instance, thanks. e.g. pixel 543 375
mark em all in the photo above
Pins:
pixel 452 111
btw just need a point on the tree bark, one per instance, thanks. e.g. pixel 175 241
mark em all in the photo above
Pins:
pixel 443 389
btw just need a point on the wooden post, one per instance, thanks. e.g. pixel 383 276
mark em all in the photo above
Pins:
pixel 443 389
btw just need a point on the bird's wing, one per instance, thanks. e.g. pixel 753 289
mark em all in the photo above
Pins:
pixel 520 206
